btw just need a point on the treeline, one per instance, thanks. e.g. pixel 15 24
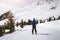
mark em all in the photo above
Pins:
pixel 49 19
pixel 22 23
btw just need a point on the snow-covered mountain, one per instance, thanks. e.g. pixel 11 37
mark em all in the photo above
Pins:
pixel 38 11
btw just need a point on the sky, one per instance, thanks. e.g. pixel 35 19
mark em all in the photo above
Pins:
pixel 16 3
pixel 12 4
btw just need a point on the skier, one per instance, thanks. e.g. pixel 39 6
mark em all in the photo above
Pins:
pixel 34 22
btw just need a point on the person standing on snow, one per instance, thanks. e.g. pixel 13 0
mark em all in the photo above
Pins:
pixel 34 22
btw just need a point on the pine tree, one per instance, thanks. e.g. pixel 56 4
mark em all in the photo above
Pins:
pixel 17 24
pixel 11 23
pixel 29 22
pixel 1 33
pixel 21 24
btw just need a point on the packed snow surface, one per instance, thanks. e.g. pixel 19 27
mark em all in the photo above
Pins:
pixel 45 31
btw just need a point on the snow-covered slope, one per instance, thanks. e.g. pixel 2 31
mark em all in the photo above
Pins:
pixel 43 10
pixel 38 10
pixel 45 31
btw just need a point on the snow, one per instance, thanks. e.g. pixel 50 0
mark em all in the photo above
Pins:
pixel 3 21
pixel 42 11
pixel 7 30
pixel 45 31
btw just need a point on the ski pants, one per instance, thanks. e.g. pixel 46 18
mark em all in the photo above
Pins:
pixel 34 29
